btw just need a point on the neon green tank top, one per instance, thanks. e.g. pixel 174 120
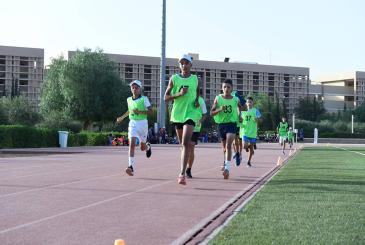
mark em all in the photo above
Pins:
pixel 290 135
pixel 183 107
pixel 283 129
pixel 249 125
pixel 198 125
pixel 230 114
pixel 136 104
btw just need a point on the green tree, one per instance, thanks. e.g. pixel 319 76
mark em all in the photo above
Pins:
pixel 310 109
pixel 18 110
pixel 3 116
pixel 93 90
pixel 53 98
pixel 359 112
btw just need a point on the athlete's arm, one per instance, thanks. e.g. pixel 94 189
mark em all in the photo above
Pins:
pixel 168 96
pixel 122 117
pixel 239 109
pixel 214 111
pixel 197 94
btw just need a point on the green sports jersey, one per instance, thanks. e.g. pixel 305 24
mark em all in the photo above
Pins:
pixel 283 129
pixel 230 113
pixel 198 125
pixel 139 105
pixel 183 107
pixel 249 124
pixel 290 135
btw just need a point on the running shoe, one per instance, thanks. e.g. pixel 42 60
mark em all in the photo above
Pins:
pixel 226 174
pixel 249 164
pixel 148 150
pixel 129 171
pixel 181 180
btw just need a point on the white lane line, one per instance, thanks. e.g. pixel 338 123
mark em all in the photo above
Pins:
pixel 90 205
pixel 348 150
pixel 76 181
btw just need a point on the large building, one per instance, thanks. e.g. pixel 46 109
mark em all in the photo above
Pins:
pixel 341 91
pixel 21 72
pixel 285 83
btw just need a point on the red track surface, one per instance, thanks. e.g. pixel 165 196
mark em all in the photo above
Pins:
pixel 86 198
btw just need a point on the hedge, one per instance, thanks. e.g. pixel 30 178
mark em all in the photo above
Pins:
pixel 16 136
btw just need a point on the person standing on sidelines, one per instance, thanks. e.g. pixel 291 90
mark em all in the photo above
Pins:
pixel 226 111
pixel 248 132
pixel 183 90
pixel 282 130
pixel 196 134
pixel 138 108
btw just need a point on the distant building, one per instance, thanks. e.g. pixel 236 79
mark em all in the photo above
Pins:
pixel 339 92
pixel 285 83
pixel 21 72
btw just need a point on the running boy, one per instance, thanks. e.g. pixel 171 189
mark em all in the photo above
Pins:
pixel 226 111
pixel 282 130
pixel 138 108
pixel 249 128
pixel 194 139
pixel 183 89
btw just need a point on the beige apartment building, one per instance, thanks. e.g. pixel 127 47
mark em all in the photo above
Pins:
pixel 283 82
pixel 21 72
pixel 340 91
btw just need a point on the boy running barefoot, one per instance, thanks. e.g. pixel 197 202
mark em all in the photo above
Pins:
pixel 249 128
pixel 138 108
pixel 226 111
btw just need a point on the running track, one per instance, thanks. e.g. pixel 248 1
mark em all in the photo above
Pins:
pixel 86 198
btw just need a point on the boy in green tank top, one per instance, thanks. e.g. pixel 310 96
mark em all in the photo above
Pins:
pixel 282 130
pixel 138 108
pixel 226 112
pixel 183 90
pixel 249 128
pixel 194 139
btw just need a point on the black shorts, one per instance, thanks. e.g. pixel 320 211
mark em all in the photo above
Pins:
pixel 195 137
pixel 225 128
pixel 181 125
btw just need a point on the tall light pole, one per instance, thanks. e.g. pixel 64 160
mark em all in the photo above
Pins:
pixel 162 108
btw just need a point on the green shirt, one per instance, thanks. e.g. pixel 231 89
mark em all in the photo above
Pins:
pixel 290 135
pixel 283 128
pixel 249 124
pixel 198 125
pixel 230 114
pixel 139 105
pixel 183 107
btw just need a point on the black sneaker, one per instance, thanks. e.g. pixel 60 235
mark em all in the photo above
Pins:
pixel 148 150
pixel 249 164
pixel 188 173
pixel 129 171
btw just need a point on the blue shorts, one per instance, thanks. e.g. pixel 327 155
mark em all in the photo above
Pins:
pixel 249 140
pixel 225 128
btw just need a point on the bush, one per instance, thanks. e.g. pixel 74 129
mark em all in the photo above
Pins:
pixel 16 136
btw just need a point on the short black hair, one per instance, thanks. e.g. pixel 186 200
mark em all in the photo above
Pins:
pixel 249 98
pixel 229 81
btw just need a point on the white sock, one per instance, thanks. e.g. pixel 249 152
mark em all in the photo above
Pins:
pixel 228 165
pixel 131 162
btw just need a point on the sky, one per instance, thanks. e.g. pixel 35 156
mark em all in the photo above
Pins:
pixel 325 35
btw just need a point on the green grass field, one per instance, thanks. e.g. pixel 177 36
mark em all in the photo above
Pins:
pixel 317 198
